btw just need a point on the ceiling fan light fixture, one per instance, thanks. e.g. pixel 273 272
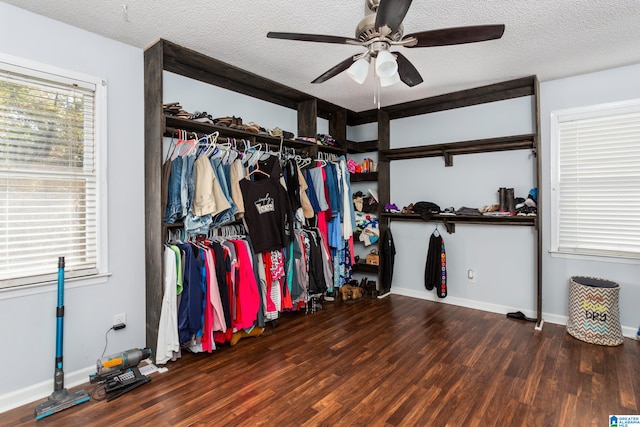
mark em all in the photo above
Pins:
pixel 381 29
pixel 388 81
pixel 359 70
pixel 386 65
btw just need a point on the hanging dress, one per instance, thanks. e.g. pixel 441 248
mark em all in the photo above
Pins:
pixel 435 272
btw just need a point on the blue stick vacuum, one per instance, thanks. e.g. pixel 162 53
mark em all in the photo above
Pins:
pixel 60 399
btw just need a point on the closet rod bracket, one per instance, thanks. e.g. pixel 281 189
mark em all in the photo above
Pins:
pixel 448 158
pixel 450 226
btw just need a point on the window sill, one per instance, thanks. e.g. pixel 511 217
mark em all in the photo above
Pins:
pixel 52 286
pixel 597 258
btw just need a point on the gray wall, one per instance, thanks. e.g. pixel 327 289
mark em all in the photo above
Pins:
pixel 614 85
pixel 502 257
pixel 28 321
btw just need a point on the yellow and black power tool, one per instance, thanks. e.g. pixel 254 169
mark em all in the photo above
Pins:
pixel 122 361
pixel 119 372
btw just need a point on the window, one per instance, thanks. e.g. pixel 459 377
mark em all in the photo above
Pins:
pixel 50 182
pixel 595 182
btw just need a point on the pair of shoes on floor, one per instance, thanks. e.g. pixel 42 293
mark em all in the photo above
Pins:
pixel 348 292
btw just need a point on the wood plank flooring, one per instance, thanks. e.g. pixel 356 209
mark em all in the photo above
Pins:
pixel 396 361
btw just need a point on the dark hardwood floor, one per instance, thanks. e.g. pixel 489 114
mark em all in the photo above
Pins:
pixel 396 361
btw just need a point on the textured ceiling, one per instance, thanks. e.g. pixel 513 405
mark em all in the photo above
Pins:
pixel 549 38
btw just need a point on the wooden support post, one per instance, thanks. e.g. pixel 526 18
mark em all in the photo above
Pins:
pixel 384 185
pixel 154 188
pixel 308 118
pixel 338 127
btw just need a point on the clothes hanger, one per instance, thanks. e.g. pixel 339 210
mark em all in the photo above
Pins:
pixel 183 146
pixel 257 169
pixel 321 158
pixel 202 146
pixel 255 155
pixel 221 150
pixel 280 149
pixel 304 162
pixel 171 149
pixel 231 154
pixel 195 146
pixel 211 140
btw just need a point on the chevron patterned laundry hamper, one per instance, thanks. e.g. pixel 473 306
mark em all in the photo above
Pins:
pixel 594 311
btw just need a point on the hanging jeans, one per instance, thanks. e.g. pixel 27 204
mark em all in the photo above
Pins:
pixel 187 184
pixel 227 215
pixel 173 211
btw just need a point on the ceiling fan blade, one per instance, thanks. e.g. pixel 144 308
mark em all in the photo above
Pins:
pixel 458 35
pixel 337 69
pixel 313 38
pixel 390 14
pixel 408 73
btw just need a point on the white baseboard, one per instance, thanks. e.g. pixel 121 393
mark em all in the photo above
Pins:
pixel 627 331
pixel 42 390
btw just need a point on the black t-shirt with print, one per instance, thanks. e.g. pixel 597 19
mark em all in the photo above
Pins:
pixel 266 207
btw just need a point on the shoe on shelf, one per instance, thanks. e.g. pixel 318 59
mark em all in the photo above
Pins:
pixel 391 208
pixel 407 209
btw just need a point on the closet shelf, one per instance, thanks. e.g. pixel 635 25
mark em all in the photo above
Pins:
pixel 365 268
pixel 447 150
pixel 173 224
pixel 465 219
pixel 331 149
pixel 364 176
pixel 362 147
pixel 173 123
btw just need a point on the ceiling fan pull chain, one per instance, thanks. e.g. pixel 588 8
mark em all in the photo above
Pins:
pixel 377 93
pixel 375 97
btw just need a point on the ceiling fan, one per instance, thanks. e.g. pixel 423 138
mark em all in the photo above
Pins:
pixel 379 30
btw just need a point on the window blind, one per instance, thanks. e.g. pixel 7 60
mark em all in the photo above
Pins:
pixel 598 184
pixel 48 180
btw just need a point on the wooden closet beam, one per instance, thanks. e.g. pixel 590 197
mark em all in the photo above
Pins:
pixel 481 95
pixel 154 188
pixel 195 65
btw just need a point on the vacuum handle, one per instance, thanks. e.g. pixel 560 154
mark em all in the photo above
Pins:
pixel 58 377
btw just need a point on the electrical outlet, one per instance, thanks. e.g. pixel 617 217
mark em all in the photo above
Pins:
pixel 471 276
pixel 120 319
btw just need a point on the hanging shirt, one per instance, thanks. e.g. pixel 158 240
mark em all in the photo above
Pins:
pixel 435 273
pixel 236 175
pixel 318 187
pixel 293 186
pixel 168 341
pixel 388 252
pixel 348 222
pixel 248 295
pixel 190 310
pixel 266 210
pixel 307 209
pixel 332 188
